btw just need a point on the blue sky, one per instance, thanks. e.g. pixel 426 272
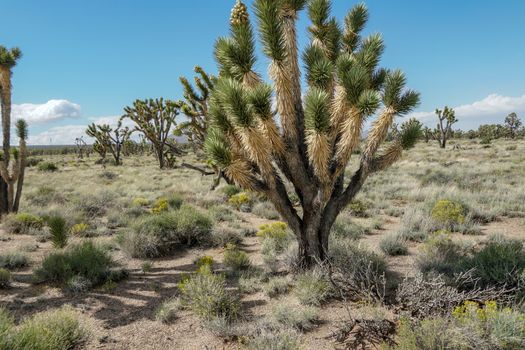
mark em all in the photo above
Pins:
pixel 86 60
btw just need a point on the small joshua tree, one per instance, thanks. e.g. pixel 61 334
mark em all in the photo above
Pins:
pixel 195 108
pixel 155 119
pixel 446 118
pixel 512 124
pixel 81 146
pixel 110 139
pixel 320 129
pixel 13 172
pixel 8 59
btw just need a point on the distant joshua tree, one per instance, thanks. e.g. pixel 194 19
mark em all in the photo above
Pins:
pixel 512 124
pixel 319 129
pixel 446 118
pixel 9 59
pixel 155 118
pixel 110 139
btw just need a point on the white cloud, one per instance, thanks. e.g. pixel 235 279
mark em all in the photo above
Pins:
pixel 492 109
pixel 58 135
pixel 45 112
pixel 66 134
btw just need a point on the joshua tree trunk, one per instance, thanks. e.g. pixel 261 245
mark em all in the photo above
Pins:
pixel 5 95
pixel 21 174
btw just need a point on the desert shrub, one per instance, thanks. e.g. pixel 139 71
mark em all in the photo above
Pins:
pixel 424 296
pixel 45 195
pixel 241 201
pixel 499 262
pixel 47 166
pixel 58 230
pixel 276 286
pixel 345 228
pixel 31 162
pixel 50 330
pixel 161 205
pixel 204 260
pixel 440 254
pixel 360 272
pixel 157 235
pixel 14 260
pixel 230 190
pixel 94 205
pixel 5 280
pixel 359 208
pixel 490 327
pixel 303 318
pixel 236 259
pixel 435 177
pixel 193 227
pixel 265 210
pixel 85 259
pixel 222 236
pixel 82 230
pixel 7 323
pixel 275 340
pixel 428 334
pixel 276 234
pixel 448 213
pixel 206 295
pixel 313 287
pixel 167 311
pixel 249 281
pixel 140 202
pixel 393 244
pixel 22 223
pixel 222 213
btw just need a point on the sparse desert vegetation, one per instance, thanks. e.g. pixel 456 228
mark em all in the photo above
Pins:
pixel 297 232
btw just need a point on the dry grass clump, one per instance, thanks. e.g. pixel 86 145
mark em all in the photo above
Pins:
pixel 59 329
pixel 158 234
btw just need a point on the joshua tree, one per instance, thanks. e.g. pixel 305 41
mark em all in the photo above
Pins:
pixel 320 129
pixel 8 59
pixel 110 139
pixel 512 124
pixel 446 118
pixel 195 108
pixel 155 119
pixel 13 171
pixel 81 145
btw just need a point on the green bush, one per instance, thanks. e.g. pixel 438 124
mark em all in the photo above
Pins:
pixel 472 326
pixel 58 230
pixel 313 287
pixel 236 259
pixel 277 340
pixel 448 213
pixel 14 260
pixel 86 260
pixel 157 235
pixel 359 208
pixel 275 237
pixel 206 295
pixel 5 280
pixel 440 255
pixel 393 244
pixel 276 286
pixel 167 311
pixel 499 262
pixel 265 210
pixel 345 228
pixel 241 201
pixel 22 223
pixel 50 330
pixel 47 166
pixel 230 190
pixel 301 318
pixel 358 267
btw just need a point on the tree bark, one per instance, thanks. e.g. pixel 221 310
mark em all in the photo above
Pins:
pixel 5 99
